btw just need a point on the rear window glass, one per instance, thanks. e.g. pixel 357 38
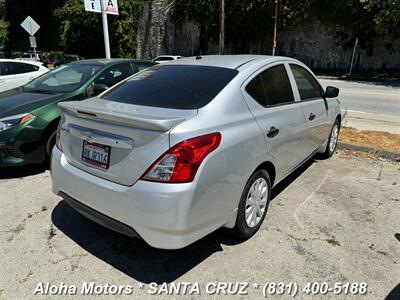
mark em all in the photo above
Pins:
pixel 173 86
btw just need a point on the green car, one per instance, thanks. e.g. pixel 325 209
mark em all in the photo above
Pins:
pixel 29 114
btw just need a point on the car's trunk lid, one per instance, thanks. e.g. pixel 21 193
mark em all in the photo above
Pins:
pixel 132 136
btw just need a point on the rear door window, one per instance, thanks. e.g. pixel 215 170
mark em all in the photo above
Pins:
pixel 257 91
pixel 11 68
pixel 173 86
pixel 308 87
pixel 271 87
pixel 31 68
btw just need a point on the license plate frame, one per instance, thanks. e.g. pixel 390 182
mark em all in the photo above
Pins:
pixel 103 163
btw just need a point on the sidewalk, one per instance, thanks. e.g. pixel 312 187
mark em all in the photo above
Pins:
pixel 369 121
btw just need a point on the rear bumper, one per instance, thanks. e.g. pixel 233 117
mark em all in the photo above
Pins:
pixel 98 217
pixel 158 213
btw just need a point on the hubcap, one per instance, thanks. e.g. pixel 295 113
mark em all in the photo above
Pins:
pixel 256 202
pixel 334 137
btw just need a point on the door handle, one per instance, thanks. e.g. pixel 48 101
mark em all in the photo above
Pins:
pixel 273 131
pixel 311 117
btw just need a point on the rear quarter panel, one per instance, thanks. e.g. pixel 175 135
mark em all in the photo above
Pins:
pixel 222 176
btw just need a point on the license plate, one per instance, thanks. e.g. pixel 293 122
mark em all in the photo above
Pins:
pixel 96 154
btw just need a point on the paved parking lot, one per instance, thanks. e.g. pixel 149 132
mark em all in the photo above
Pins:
pixel 334 220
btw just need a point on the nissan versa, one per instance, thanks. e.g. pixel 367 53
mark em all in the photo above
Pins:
pixel 183 148
pixel 29 115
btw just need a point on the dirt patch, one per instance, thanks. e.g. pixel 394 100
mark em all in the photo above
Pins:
pixel 376 139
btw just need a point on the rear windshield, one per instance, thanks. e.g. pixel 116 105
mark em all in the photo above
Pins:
pixel 173 86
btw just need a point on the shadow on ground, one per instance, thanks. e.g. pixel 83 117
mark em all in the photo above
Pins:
pixel 394 294
pixel 133 256
pixel 22 171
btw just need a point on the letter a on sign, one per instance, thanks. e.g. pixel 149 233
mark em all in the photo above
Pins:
pixel 110 7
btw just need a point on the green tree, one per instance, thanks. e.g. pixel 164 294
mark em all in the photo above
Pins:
pixel 386 16
pixel 3 26
pixel 82 32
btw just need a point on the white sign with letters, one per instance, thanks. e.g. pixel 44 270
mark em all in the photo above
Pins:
pixel 110 6
pixel 93 5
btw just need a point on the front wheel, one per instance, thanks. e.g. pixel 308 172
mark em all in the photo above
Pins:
pixel 332 142
pixel 253 204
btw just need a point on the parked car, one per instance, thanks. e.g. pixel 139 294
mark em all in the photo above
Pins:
pixel 183 148
pixel 14 73
pixel 29 115
pixel 31 55
pixel 165 58
pixel 67 59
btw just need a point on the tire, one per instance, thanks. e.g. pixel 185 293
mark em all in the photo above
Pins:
pixel 51 141
pixel 332 141
pixel 245 228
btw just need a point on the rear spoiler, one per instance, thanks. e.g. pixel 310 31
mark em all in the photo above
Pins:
pixel 151 118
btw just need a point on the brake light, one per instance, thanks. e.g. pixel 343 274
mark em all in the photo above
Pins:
pixel 180 163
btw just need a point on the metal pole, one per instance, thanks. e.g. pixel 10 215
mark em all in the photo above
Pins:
pixel 352 57
pixel 222 27
pixel 105 31
pixel 34 49
pixel 275 28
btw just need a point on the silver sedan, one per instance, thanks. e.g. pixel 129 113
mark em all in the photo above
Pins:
pixel 184 148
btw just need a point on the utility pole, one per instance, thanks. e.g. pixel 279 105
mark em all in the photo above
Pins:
pixel 352 57
pixel 275 28
pixel 105 30
pixel 222 27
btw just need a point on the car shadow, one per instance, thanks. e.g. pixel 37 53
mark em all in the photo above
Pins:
pixel 281 186
pixel 133 256
pixel 137 259
pixel 22 171
pixel 394 293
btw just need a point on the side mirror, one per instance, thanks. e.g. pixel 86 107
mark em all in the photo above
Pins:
pixel 331 92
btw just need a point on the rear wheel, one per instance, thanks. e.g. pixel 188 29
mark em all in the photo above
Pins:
pixel 51 141
pixel 253 204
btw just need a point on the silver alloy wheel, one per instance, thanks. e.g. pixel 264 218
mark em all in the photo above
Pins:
pixel 256 202
pixel 334 138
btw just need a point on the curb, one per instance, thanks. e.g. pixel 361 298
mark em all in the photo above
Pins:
pixel 381 153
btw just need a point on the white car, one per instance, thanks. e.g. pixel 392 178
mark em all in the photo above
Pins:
pixel 165 58
pixel 31 56
pixel 15 73
pixel 183 148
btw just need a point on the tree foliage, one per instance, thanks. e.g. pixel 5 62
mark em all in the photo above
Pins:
pixel 249 23
pixel 3 27
pixel 386 16
pixel 82 32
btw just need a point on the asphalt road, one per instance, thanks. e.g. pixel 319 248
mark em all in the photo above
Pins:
pixel 369 105
pixel 333 221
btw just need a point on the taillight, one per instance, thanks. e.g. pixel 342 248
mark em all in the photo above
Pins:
pixel 180 163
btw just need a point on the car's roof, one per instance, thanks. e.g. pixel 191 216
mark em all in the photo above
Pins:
pixel 105 61
pixel 227 61
pixel 36 63
pixel 169 56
